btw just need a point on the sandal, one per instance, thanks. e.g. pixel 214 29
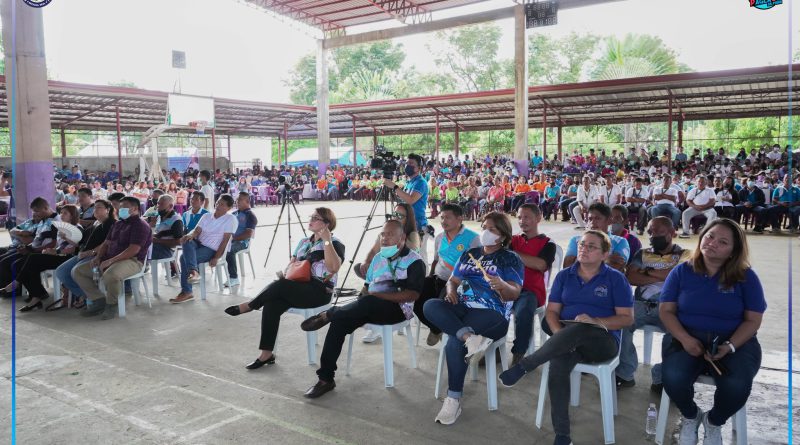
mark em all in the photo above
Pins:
pixel 79 303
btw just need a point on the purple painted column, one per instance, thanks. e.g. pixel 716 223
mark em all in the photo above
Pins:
pixel 29 105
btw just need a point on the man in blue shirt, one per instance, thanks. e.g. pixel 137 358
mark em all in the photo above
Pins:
pixel 112 175
pixel 536 159
pixel 415 193
pixel 786 200
pixel 75 175
pixel 192 216
pixel 600 219
pixel 241 238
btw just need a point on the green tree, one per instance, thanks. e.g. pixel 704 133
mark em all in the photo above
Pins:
pixel 469 55
pixel 556 61
pixel 636 55
pixel 354 69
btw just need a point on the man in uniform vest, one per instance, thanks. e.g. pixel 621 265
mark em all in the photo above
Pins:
pixel 537 252
pixel 448 247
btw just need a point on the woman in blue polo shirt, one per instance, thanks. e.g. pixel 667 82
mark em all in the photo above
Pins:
pixel 712 306
pixel 600 299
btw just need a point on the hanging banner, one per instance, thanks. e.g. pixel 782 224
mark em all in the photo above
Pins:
pixel 182 159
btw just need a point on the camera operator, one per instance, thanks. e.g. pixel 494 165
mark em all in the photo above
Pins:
pixel 415 193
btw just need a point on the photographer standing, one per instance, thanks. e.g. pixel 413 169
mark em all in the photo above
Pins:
pixel 415 192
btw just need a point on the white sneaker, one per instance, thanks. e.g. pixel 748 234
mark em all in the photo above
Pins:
pixel 688 435
pixel 450 411
pixel 371 336
pixel 232 282
pixel 684 235
pixel 476 346
pixel 712 434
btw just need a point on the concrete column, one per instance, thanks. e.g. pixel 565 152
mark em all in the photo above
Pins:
pixel 520 91
pixel 28 104
pixel 323 119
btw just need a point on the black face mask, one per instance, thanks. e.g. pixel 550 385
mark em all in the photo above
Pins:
pixel 163 213
pixel 659 243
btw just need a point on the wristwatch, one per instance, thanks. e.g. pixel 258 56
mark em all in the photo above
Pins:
pixel 730 345
pixel 326 243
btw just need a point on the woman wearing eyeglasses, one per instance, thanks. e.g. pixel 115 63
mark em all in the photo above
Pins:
pixel 598 301
pixel 405 214
pixel 325 253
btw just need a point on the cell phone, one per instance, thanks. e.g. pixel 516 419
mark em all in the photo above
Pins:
pixel 714 346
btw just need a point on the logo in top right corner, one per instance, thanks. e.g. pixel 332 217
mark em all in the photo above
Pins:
pixel 764 4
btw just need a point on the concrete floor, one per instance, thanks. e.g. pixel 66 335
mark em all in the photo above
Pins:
pixel 175 374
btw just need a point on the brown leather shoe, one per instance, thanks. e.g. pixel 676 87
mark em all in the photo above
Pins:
pixel 319 389
pixel 314 322
pixel 181 298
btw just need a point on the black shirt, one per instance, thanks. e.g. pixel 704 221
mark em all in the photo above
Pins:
pixel 95 235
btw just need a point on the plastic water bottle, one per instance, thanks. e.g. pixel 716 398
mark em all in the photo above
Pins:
pixel 96 274
pixel 652 418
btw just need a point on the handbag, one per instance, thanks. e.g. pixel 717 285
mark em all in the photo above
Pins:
pixel 299 271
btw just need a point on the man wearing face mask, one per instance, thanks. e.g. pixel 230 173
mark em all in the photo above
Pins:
pixel 120 256
pixel 394 281
pixel 752 201
pixel 700 201
pixel 619 218
pixel 665 201
pixel 647 271
pixel 415 192
pixel 168 229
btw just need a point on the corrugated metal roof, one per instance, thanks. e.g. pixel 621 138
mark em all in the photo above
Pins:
pixel 751 92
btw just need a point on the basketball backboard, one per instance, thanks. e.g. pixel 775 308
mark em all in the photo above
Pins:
pixel 183 109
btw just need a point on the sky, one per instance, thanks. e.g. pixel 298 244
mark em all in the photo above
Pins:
pixel 236 51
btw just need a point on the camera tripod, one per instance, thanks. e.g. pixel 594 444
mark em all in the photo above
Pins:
pixel 387 196
pixel 286 197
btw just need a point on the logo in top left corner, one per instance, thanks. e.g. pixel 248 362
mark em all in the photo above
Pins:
pixel 37 3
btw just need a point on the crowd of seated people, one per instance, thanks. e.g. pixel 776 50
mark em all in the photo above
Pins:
pixel 609 284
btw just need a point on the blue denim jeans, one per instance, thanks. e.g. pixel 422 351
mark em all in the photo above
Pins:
pixel 230 257
pixel 161 252
pixel 455 320
pixel 643 314
pixel 524 309
pixel 667 210
pixel 681 370
pixel 193 254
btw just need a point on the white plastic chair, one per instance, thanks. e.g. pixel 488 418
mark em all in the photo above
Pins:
pixel 220 268
pixel 555 268
pixel 311 337
pixel 240 258
pixel 739 419
pixel 498 346
pixel 166 263
pixel 137 276
pixel 649 330
pixel 388 359
pixel 608 391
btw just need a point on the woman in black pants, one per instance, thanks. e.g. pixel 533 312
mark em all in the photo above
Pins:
pixel 600 300
pixel 29 274
pixel 326 254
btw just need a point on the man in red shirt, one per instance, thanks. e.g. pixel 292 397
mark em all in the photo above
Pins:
pixel 537 252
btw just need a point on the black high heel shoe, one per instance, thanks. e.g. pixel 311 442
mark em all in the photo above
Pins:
pixel 258 363
pixel 31 307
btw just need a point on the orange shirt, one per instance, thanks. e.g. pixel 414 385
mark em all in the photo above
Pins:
pixel 539 187
pixel 322 184
pixel 507 187
pixel 522 188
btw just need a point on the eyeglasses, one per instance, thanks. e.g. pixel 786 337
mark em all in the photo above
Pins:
pixel 318 218
pixel 588 247
pixel 398 215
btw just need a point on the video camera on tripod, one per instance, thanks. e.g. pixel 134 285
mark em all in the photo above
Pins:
pixel 384 161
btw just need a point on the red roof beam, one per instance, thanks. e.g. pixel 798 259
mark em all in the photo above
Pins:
pixel 80 116
pixel 449 118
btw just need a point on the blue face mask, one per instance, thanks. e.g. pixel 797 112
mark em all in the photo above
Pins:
pixel 124 212
pixel 389 251
pixel 409 170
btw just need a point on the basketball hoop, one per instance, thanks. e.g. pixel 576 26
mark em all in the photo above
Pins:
pixel 199 127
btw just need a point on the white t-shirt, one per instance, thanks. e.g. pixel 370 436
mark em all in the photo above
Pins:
pixel 587 197
pixel 724 193
pixel 644 193
pixel 701 197
pixel 670 191
pixel 214 229
pixel 208 191
pixel 610 198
